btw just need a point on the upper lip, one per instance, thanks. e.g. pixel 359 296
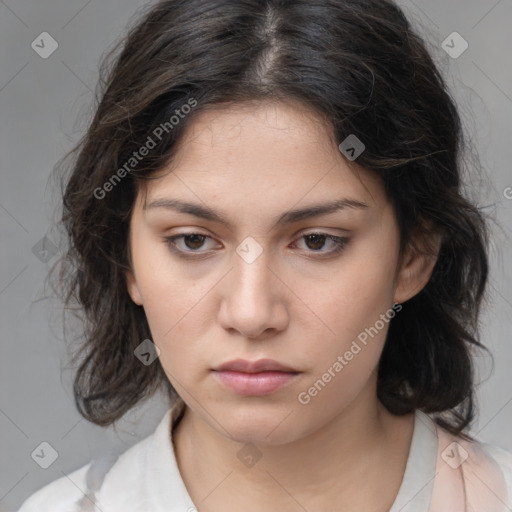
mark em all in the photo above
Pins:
pixel 261 365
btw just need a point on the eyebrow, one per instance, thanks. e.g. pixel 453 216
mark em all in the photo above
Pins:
pixel 314 210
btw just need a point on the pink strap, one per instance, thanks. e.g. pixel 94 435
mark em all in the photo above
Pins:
pixel 467 479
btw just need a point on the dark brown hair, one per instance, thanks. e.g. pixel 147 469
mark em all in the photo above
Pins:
pixel 361 66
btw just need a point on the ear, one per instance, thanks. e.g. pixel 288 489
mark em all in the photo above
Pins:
pixel 417 264
pixel 133 289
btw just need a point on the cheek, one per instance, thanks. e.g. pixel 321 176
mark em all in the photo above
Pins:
pixel 179 314
pixel 343 364
pixel 176 309
pixel 355 307
pixel 177 324
pixel 355 295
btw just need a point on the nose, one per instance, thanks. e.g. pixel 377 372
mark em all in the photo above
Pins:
pixel 254 299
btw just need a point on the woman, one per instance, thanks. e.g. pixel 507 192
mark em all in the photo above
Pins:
pixel 266 218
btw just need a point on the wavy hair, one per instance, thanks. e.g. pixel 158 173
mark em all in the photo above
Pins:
pixel 360 65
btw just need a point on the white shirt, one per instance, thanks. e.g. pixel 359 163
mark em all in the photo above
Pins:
pixel 443 474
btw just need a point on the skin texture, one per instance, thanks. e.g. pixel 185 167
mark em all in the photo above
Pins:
pixel 295 304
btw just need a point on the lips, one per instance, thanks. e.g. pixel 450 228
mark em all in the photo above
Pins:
pixel 254 378
pixel 261 365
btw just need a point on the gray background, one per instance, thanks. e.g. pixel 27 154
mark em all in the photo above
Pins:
pixel 41 101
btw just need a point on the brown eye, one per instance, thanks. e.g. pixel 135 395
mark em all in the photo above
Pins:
pixel 194 241
pixel 315 242
pixel 190 245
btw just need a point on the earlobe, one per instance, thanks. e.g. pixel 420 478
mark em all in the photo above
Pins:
pixel 133 289
pixel 417 267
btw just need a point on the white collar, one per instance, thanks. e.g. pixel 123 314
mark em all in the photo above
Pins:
pixel 166 488
pixel 417 485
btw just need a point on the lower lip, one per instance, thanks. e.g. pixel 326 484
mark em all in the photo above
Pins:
pixel 254 384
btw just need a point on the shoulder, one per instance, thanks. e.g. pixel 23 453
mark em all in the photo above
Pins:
pixel 476 472
pixel 116 483
pixel 503 459
pixel 488 476
pixel 61 495
pixel 68 492
pixel 96 479
pixel 487 460
pixel 107 478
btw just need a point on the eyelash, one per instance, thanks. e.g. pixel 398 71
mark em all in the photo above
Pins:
pixel 340 244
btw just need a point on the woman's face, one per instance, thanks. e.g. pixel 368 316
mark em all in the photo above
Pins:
pixel 262 285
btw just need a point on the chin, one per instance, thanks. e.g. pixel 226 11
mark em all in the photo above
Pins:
pixel 273 426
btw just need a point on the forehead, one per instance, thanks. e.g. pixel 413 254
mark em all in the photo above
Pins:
pixel 261 157
pixel 287 131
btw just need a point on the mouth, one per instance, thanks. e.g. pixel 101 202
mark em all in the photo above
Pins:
pixel 255 378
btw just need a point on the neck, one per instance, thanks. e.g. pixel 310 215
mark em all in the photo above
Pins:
pixel 358 456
